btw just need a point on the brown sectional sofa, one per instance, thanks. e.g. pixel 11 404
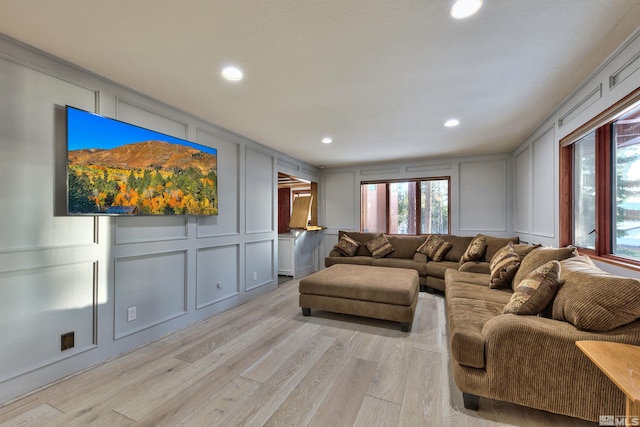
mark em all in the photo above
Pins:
pixel 532 360
pixel 528 359
pixel 431 273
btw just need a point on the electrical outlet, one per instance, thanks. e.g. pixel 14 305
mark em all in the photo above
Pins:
pixel 255 275
pixel 67 341
pixel 131 314
pixel 219 285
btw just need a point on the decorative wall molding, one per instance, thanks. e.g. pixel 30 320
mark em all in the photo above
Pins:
pixel 592 97
pixel 628 69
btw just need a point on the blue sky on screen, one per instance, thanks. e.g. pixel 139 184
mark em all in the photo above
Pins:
pixel 88 130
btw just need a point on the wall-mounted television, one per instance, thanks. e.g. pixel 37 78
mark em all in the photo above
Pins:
pixel 116 168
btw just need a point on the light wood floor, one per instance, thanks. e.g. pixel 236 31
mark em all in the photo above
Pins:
pixel 264 364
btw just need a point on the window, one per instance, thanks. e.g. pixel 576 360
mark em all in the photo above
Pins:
pixel 405 207
pixel 584 192
pixel 600 185
pixel 626 186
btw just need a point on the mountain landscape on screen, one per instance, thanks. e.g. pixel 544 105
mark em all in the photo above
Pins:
pixel 144 178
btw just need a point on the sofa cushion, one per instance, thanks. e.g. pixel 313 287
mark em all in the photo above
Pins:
pixel 494 244
pixel 475 250
pixel 473 277
pixel 523 249
pixel 459 245
pixel 476 267
pixel 347 246
pixel 503 266
pixel 465 320
pixel 405 246
pixel 380 246
pixel 592 299
pixel 420 267
pixel 535 291
pixel 539 256
pixel 437 269
pixel 480 293
pixel 473 286
pixel 434 247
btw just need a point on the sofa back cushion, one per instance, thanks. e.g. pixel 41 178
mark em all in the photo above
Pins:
pixel 539 256
pixel 405 246
pixel 459 245
pixel 494 244
pixel 592 299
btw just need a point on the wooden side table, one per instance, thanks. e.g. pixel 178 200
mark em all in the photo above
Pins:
pixel 621 363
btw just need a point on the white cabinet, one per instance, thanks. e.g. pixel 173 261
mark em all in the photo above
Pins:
pixel 286 257
pixel 296 253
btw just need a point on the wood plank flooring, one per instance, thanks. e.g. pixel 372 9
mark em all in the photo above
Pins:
pixel 264 364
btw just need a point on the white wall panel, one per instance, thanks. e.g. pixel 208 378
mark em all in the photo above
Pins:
pixel 37 306
pixel 483 196
pixel 163 266
pixel 217 274
pixel 260 184
pixel 31 135
pixel 522 191
pixel 260 262
pixel 150 229
pixel 155 284
pixel 544 200
pixel 228 219
pixel 141 116
pixel 341 200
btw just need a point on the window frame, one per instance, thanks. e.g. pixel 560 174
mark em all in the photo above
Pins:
pixel 602 124
pixel 418 213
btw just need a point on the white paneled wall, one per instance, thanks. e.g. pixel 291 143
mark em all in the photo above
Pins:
pixel 481 194
pixel 536 160
pixel 63 274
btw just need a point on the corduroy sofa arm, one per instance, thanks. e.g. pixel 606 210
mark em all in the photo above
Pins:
pixel 533 361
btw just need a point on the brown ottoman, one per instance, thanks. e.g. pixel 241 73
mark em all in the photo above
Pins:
pixel 362 290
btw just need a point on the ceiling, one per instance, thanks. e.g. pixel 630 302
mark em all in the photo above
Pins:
pixel 378 76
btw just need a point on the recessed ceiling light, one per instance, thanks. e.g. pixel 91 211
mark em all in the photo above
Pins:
pixel 232 73
pixel 465 8
pixel 452 123
pixel 327 140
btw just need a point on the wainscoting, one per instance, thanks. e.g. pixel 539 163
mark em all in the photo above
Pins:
pixel 263 363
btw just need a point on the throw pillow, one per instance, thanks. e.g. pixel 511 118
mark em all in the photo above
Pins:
pixel 347 246
pixel 535 291
pixel 539 256
pixel 474 250
pixel 503 267
pixel 380 246
pixel 434 247
pixel 592 299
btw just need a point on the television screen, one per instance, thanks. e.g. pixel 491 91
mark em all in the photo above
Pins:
pixel 115 168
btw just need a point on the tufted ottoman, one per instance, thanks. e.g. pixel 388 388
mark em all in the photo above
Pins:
pixel 362 290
